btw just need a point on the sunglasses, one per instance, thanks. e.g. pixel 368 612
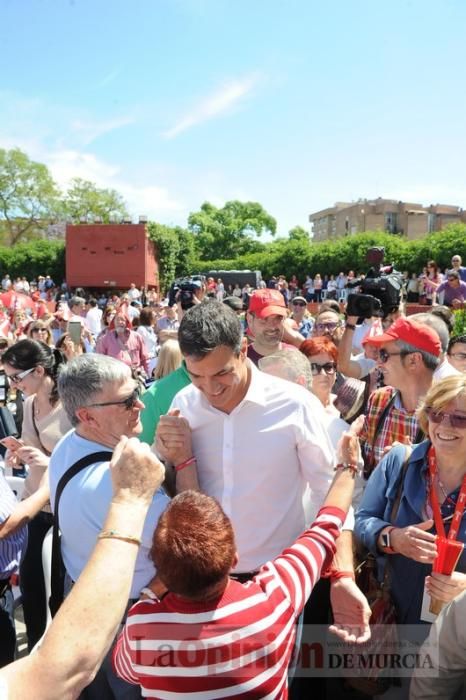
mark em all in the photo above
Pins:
pixel 299 303
pixel 327 326
pixel 384 355
pixel 457 420
pixel 16 378
pixel 327 367
pixel 128 403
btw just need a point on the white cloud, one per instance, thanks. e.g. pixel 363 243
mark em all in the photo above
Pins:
pixel 87 130
pixel 220 102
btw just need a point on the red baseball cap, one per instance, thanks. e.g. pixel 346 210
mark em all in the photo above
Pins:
pixel 267 302
pixel 416 334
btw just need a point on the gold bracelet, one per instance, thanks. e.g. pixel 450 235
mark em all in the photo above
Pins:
pixel 114 535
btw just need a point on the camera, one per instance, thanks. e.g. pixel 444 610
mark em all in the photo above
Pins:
pixel 183 290
pixel 380 288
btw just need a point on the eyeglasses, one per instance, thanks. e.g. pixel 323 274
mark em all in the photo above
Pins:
pixel 327 326
pixel 128 403
pixel 459 355
pixel 16 378
pixel 299 303
pixel 327 367
pixel 457 420
pixel 384 355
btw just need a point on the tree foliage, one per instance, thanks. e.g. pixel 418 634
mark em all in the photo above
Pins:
pixel 231 230
pixel 28 196
pixel 34 258
pixel 175 251
pixel 84 201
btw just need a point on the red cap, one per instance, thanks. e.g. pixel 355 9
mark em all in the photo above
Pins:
pixel 420 336
pixel 267 302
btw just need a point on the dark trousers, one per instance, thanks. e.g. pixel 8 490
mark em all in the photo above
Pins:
pixel 7 625
pixel 31 579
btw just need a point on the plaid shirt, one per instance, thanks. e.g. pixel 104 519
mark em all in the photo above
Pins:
pixel 398 423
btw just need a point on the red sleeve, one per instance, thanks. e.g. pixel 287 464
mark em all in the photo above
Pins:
pixel 300 566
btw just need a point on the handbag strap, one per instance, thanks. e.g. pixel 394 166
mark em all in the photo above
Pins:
pixel 399 490
pixel 56 570
pixel 44 449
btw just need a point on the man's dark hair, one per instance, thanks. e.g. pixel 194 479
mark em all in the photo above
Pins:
pixel 208 325
pixel 454 340
pixel 92 302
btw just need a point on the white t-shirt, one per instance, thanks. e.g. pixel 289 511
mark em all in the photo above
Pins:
pixel 257 460
pixel 83 509
pixel 94 320
pixel 445 369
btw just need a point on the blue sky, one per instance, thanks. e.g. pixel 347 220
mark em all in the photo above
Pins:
pixel 294 104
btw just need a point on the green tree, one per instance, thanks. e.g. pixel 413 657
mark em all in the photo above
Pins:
pixel 229 231
pixel 298 233
pixel 84 201
pixel 28 196
pixel 175 252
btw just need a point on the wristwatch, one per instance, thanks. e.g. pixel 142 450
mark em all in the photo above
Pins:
pixel 386 541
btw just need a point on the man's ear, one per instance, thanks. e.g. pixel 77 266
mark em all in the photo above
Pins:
pixel 244 346
pixel 235 561
pixel 85 416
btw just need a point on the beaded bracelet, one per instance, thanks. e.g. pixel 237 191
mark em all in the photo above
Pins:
pixel 347 465
pixel 186 463
pixel 115 535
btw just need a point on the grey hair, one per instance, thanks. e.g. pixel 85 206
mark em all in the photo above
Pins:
pixel 430 361
pixel 437 324
pixel 84 377
pixel 293 362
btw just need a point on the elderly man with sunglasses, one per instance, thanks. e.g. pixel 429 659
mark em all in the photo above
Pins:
pixel 102 401
pixel 409 353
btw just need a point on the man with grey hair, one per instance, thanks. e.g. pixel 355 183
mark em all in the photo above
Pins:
pixel 288 364
pixel 102 402
pixel 444 368
pixel 408 356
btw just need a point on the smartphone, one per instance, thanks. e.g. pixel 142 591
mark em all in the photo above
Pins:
pixel 74 329
pixel 11 443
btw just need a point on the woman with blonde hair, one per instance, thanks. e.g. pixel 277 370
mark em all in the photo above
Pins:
pixel 169 359
pixel 39 330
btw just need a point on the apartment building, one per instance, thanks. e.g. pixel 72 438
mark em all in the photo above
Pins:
pixel 409 218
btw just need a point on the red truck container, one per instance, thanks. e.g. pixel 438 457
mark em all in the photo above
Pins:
pixel 110 256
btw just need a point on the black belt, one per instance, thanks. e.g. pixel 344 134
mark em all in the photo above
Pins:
pixel 245 576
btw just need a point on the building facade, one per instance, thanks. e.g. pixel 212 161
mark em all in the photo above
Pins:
pixel 407 218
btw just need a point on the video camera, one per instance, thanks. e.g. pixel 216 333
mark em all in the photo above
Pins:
pixel 183 289
pixel 380 288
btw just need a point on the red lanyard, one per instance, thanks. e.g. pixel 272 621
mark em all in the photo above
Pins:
pixel 460 504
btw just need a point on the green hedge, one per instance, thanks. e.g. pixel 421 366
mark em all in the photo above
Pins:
pixel 297 257
pixel 33 259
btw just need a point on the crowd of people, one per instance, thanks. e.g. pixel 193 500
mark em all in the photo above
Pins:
pixel 285 441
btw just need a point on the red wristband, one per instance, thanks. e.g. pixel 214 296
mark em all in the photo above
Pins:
pixel 334 574
pixel 184 464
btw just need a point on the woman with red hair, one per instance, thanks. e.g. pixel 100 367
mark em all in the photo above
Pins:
pixel 322 355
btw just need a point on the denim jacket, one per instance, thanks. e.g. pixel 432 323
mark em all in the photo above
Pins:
pixel 406 575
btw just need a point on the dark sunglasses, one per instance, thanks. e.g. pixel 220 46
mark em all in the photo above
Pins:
pixel 457 420
pixel 328 368
pixel 128 403
pixel 328 326
pixel 299 303
pixel 384 355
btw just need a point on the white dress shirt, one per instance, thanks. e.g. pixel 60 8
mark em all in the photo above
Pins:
pixel 257 460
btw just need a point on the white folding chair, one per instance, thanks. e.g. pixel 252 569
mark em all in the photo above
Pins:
pixel 47 569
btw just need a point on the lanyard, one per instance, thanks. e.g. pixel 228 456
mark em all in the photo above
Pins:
pixel 460 504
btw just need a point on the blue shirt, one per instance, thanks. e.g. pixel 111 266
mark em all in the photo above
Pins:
pixel 12 547
pixel 406 575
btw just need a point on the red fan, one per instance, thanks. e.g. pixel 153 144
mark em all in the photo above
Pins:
pixel 448 553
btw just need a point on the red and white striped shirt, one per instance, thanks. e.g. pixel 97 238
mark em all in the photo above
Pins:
pixel 238 645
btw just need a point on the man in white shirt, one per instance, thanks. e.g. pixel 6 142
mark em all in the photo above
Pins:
pixel 133 292
pixel 94 318
pixel 257 441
